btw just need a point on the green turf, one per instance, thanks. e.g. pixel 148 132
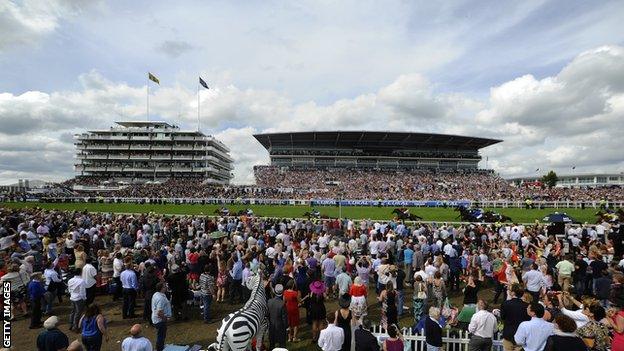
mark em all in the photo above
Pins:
pixel 519 215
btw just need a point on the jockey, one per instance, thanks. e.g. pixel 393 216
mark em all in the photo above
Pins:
pixel 250 212
pixel 225 211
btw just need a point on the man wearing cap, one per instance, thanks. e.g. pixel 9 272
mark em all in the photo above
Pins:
pixel 36 291
pixel 136 342
pixel 51 339
pixel 278 319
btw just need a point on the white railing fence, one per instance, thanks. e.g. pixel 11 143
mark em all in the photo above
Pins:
pixel 453 340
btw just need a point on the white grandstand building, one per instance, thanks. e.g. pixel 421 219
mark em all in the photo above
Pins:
pixel 578 180
pixel 151 151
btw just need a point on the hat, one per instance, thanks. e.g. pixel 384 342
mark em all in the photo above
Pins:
pixel 317 287
pixel 175 268
pixel 51 322
pixel 279 289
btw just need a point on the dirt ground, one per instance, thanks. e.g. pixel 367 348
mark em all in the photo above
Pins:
pixel 190 332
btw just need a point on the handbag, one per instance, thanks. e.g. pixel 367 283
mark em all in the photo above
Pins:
pixel 446 308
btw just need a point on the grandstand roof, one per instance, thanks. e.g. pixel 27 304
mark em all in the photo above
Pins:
pixel 372 140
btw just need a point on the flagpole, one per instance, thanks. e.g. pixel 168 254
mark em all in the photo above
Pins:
pixel 148 118
pixel 198 106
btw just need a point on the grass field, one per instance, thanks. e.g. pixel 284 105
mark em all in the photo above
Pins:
pixel 519 215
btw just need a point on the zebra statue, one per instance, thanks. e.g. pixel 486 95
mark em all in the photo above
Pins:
pixel 238 328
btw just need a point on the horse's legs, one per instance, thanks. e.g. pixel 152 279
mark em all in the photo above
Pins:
pixel 260 335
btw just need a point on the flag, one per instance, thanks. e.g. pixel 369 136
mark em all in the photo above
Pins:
pixel 537 170
pixel 573 167
pixel 203 84
pixel 153 78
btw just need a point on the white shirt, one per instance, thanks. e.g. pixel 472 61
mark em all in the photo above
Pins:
pixel 136 344
pixel 579 317
pixel 483 324
pixel 51 275
pixel 88 274
pixel 331 338
pixel 77 289
pixel 117 267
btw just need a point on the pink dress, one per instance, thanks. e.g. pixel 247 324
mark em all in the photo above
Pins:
pixel 617 344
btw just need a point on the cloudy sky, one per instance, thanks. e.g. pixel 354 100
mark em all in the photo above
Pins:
pixel 547 77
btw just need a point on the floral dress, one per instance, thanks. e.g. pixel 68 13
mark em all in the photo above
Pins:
pixel 596 331
pixel 420 295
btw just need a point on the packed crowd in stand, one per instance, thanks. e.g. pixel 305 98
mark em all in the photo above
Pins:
pixel 276 183
pixel 556 292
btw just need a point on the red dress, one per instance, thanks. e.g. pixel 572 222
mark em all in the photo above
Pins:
pixel 292 307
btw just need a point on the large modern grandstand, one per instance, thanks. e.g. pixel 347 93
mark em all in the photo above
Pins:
pixel 370 149
pixel 136 152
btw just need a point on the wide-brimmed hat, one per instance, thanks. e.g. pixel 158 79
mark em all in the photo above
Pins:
pixel 317 287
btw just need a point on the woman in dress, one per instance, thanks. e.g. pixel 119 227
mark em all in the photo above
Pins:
pixel 81 256
pixel 594 333
pixel 420 295
pixel 615 321
pixel 389 313
pixel 291 300
pixel 316 307
pixel 438 289
pixel 394 342
pixel 221 280
pixel 358 294
pixel 344 319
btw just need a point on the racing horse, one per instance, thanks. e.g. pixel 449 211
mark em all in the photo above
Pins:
pixel 402 214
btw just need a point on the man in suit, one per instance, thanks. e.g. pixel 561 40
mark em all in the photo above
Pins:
pixel 513 312
pixel 364 339
pixel 278 319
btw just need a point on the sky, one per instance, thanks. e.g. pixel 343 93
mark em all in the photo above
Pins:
pixel 547 77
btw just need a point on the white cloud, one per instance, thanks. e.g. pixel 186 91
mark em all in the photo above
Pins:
pixel 572 118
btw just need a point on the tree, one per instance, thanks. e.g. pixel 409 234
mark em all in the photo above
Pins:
pixel 550 179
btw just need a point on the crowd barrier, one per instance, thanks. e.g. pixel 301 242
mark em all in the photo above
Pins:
pixel 453 340
pixel 330 202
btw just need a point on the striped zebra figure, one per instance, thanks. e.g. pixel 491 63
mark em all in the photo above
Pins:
pixel 238 328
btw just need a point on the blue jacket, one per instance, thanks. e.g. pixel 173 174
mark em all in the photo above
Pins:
pixel 36 290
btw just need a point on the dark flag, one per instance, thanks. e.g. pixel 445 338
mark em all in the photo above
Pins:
pixel 573 167
pixel 203 84
pixel 153 78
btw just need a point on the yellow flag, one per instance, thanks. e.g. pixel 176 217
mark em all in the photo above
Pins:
pixel 153 78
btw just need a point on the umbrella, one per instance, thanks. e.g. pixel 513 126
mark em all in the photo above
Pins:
pixel 218 234
pixel 559 218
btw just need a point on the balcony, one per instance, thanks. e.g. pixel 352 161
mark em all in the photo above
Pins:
pixel 141 137
pixel 114 169
pixel 139 157
pixel 161 157
pixel 182 147
pixel 161 147
pixel 183 157
pixel 181 169
pixel 118 157
pixel 140 147
pixel 189 138
pixel 118 147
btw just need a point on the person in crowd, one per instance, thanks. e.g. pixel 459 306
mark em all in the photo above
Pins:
pixel 316 307
pixel 93 328
pixel 394 342
pixel 51 338
pixel 328 269
pixel 358 293
pixel 534 281
pixel 344 319
pixel 36 292
pixel 594 332
pixel 136 342
pixel 161 313
pixel 418 300
pixel 343 281
pixel 130 286
pixel 615 321
pixel 364 339
pixel 513 312
pixel 89 274
pixel 278 319
pixel 581 315
pixel 149 280
pixel 532 335
pixel 388 299
pixel 207 287
pixel 565 270
pixel 80 256
pixel 564 337
pixel 118 267
pixel 18 280
pixel 236 278
pixel 437 289
pixel 483 325
pixel 53 284
pixel 75 346
pixel 292 301
pixel 433 330
pixel 331 337
pixel 78 297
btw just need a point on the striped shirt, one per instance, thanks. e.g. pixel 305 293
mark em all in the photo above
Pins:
pixel 207 284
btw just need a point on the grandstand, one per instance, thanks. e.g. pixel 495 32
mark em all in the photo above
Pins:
pixel 137 152
pixel 374 150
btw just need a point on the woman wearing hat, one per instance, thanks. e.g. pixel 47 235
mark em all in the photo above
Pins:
pixel 316 307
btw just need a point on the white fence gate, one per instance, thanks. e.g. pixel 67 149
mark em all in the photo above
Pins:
pixel 453 340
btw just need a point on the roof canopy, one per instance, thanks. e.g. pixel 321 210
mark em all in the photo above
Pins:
pixel 372 140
